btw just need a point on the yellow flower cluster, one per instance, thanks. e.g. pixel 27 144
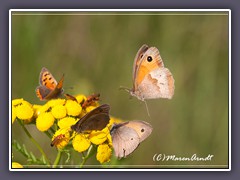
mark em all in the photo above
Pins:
pixel 23 110
pixel 63 113
pixel 16 165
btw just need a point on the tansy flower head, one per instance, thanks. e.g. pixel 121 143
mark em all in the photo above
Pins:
pixel 66 122
pixel 14 115
pixel 26 103
pixel 55 102
pixel 99 137
pixel 59 111
pixel 42 109
pixel 24 111
pixel 81 142
pixel 61 138
pixel 16 102
pixel 89 108
pixel 114 120
pixel 73 108
pixel 36 110
pixel 16 165
pixel 80 98
pixel 104 153
pixel 109 139
pixel 44 121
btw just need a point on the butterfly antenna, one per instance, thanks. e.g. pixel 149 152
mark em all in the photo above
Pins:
pixel 124 88
pixel 147 108
pixel 70 87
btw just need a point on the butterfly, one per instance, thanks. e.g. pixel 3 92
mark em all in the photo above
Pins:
pixel 151 79
pixel 127 136
pixel 97 119
pixel 49 88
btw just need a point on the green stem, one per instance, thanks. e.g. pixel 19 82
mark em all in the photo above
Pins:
pixel 34 141
pixel 52 130
pixel 85 158
pixel 57 159
pixel 48 134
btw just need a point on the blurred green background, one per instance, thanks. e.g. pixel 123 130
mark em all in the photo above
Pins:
pixel 96 53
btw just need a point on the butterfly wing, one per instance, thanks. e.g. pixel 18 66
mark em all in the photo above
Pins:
pixel 142 128
pixel 124 139
pixel 97 119
pixel 47 79
pixel 57 91
pixel 42 92
pixel 149 61
pixel 137 61
pixel 157 84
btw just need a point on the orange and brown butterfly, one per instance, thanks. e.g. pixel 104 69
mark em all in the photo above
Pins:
pixel 57 139
pixel 49 88
pixel 90 99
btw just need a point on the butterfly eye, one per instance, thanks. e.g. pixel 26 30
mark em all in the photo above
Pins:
pixel 149 58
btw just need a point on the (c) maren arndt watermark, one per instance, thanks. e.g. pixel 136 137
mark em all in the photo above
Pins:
pixel 194 157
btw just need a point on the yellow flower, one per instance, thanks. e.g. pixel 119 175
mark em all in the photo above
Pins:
pixel 24 111
pixel 16 165
pixel 26 103
pixel 80 143
pixel 55 102
pixel 104 153
pixel 90 108
pixel 73 108
pixel 114 120
pixel 99 137
pixel 36 109
pixel 14 114
pixel 42 109
pixel 44 121
pixel 109 139
pixel 16 102
pixel 80 98
pixel 59 111
pixel 66 122
pixel 61 138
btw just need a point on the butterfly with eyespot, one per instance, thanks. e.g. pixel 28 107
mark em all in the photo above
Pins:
pixel 97 119
pixel 127 136
pixel 151 79
pixel 49 88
